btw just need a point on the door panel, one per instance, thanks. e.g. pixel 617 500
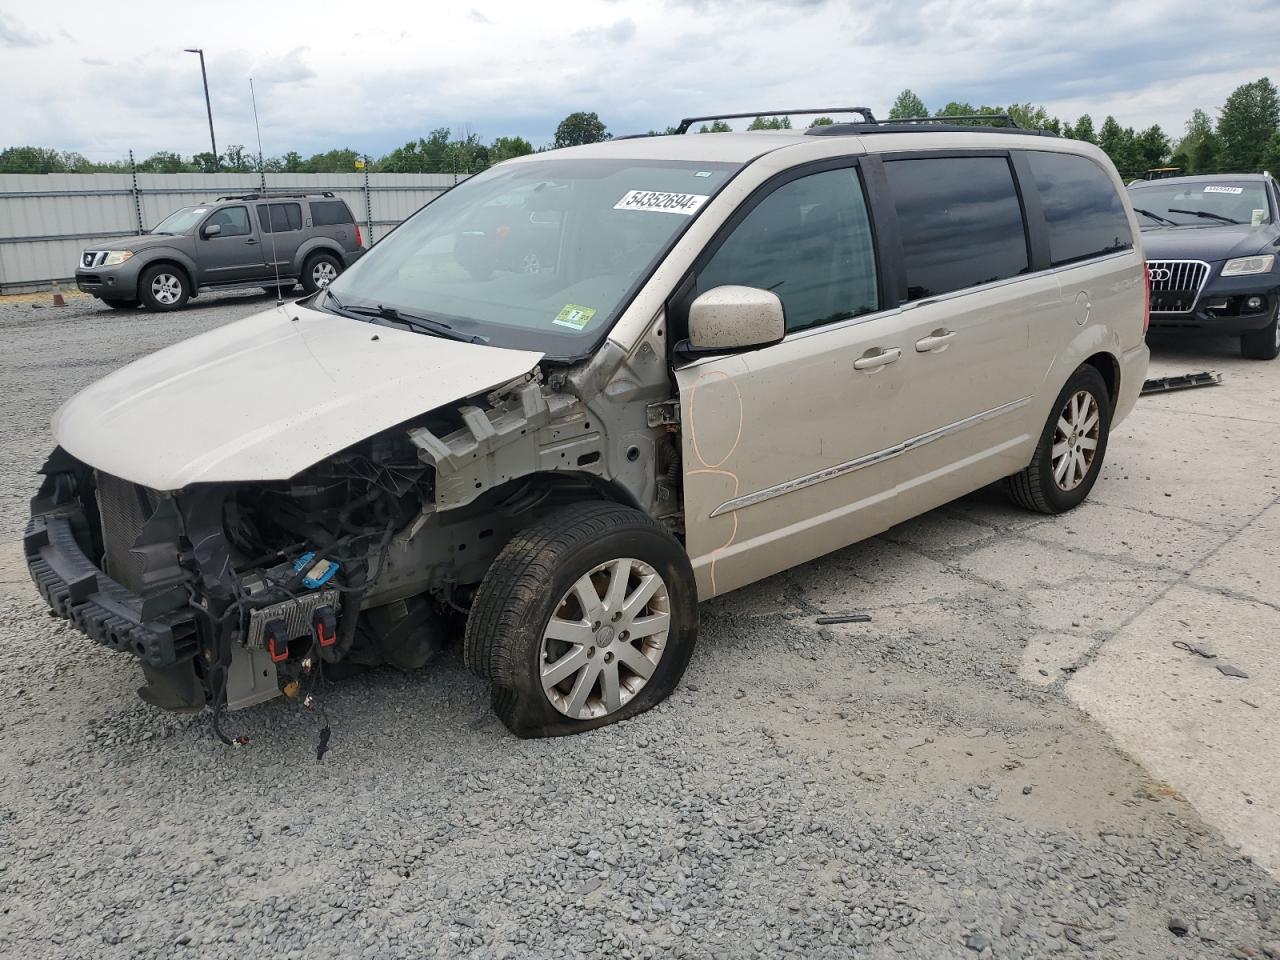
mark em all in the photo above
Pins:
pixel 236 253
pixel 789 450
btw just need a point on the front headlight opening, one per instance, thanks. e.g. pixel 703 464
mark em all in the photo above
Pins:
pixel 115 257
pixel 1247 266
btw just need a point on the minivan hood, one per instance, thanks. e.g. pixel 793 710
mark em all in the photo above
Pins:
pixel 1205 243
pixel 268 396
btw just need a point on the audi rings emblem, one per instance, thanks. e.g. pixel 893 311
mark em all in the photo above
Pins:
pixel 1158 274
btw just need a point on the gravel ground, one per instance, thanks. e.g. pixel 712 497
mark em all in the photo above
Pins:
pixel 885 789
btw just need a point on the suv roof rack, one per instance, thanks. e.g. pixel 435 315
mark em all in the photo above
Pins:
pixel 272 195
pixel 981 123
pixel 864 112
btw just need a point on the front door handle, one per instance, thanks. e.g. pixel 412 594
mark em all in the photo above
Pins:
pixel 251 241
pixel 936 341
pixel 874 361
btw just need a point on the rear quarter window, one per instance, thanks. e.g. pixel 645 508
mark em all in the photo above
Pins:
pixel 328 213
pixel 1083 213
pixel 960 220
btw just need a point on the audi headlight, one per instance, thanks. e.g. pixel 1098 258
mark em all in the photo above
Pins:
pixel 115 257
pixel 1248 266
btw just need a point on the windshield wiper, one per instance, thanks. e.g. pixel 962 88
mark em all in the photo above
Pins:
pixel 1154 216
pixel 1206 215
pixel 418 324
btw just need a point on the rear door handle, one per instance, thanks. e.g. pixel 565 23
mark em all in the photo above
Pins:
pixel 937 340
pixel 874 361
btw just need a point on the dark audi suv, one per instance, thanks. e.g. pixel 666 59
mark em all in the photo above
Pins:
pixel 1212 245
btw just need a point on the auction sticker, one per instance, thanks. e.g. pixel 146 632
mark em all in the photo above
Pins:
pixel 574 317
pixel 683 203
pixel 1235 190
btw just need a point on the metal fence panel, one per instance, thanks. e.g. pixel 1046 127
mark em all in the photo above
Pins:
pixel 47 219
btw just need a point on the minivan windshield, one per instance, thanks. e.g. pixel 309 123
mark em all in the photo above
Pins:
pixel 180 221
pixel 1201 203
pixel 538 255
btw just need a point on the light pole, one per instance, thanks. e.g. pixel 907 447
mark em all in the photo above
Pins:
pixel 208 106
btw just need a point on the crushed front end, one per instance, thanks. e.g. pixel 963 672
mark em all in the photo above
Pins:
pixel 229 594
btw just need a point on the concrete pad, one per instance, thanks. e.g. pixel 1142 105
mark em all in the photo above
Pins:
pixel 1132 535
pixel 1048 654
pixel 1100 602
pixel 937 531
pixel 876 573
pixel 14 579
pixel 1250 563
pixel 1186 722
pixel 1016 563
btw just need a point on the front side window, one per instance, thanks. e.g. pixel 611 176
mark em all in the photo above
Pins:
pixel 181 221
pixel 538 255
pixel 960 221
pixel 809 242
pixel 282 217
pixel 1082 211
pixel 1200 203
pixel 234 221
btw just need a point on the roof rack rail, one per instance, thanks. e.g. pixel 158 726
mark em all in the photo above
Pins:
pixel 935 125
pixel 985 118
pixel 273 195
pixel 864 112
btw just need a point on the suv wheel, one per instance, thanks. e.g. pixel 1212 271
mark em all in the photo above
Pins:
pixel 1262 344
pixel 586 617
pixel 163 287
pixel 1069 456
pixel 321 270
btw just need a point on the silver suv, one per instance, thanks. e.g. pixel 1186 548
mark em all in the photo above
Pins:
pixel 736 353
pixel 274 242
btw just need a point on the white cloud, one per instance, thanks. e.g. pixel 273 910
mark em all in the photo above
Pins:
pixel 383 72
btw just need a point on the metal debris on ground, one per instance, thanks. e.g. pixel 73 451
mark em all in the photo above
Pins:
pixel 845 618
pixel 1227 670
pixel 1184 381
pixel 1192 648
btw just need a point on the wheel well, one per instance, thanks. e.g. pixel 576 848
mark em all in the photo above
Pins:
pixel 1106 365
pixel 316 251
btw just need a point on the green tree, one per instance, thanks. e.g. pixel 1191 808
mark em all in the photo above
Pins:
pixel 822 122
pixel 504 148
pixel 770 123
pixel 31 160
pixel 579 128
pixel 291 162
pixel 1083 130
pixel 1206 155
pixel 1117 143
pixel 907 105
pixel 717 126
pixel 342 160
pixel 1271 155
pixel 1151 147
pixel 206 162
pixel 165 161
pixel 236 160
pixel 1247 121
pixel 1031 116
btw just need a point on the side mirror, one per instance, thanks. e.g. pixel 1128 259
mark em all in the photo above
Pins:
pixel 212 230
pixel 734 318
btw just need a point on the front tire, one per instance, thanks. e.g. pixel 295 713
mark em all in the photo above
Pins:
pixel 586 617
pixel 320 270
pixel 1262 344
pixel 1069 455
pixel 163 288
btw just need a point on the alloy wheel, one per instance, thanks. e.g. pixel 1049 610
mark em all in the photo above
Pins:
pixel 605 639
pixel 323 273
pixel 1075 440
pixel 166 289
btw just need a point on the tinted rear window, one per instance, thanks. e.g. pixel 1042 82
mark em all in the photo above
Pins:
pixel 326 213
pixel 284 217
pixel 1084 215
pixel 960 222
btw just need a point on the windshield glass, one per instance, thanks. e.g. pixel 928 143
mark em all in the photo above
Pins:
pixel 180 221
pixel 1202 203
pixel 537 255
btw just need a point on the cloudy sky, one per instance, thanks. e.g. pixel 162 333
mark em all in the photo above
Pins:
pixel 376 73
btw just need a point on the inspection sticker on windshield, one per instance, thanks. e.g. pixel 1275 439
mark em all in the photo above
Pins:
pixel 682 203
pixel 1224 189
pixel 574 316
pixel 1259 218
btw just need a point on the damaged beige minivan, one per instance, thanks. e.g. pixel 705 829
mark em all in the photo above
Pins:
pixel 585 390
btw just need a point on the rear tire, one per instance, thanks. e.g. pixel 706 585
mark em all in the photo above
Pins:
pixel 320 270
pixel 1262 344
pixel 121 304
pixel 163 288
pixel 1072 445
pixel 618 655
